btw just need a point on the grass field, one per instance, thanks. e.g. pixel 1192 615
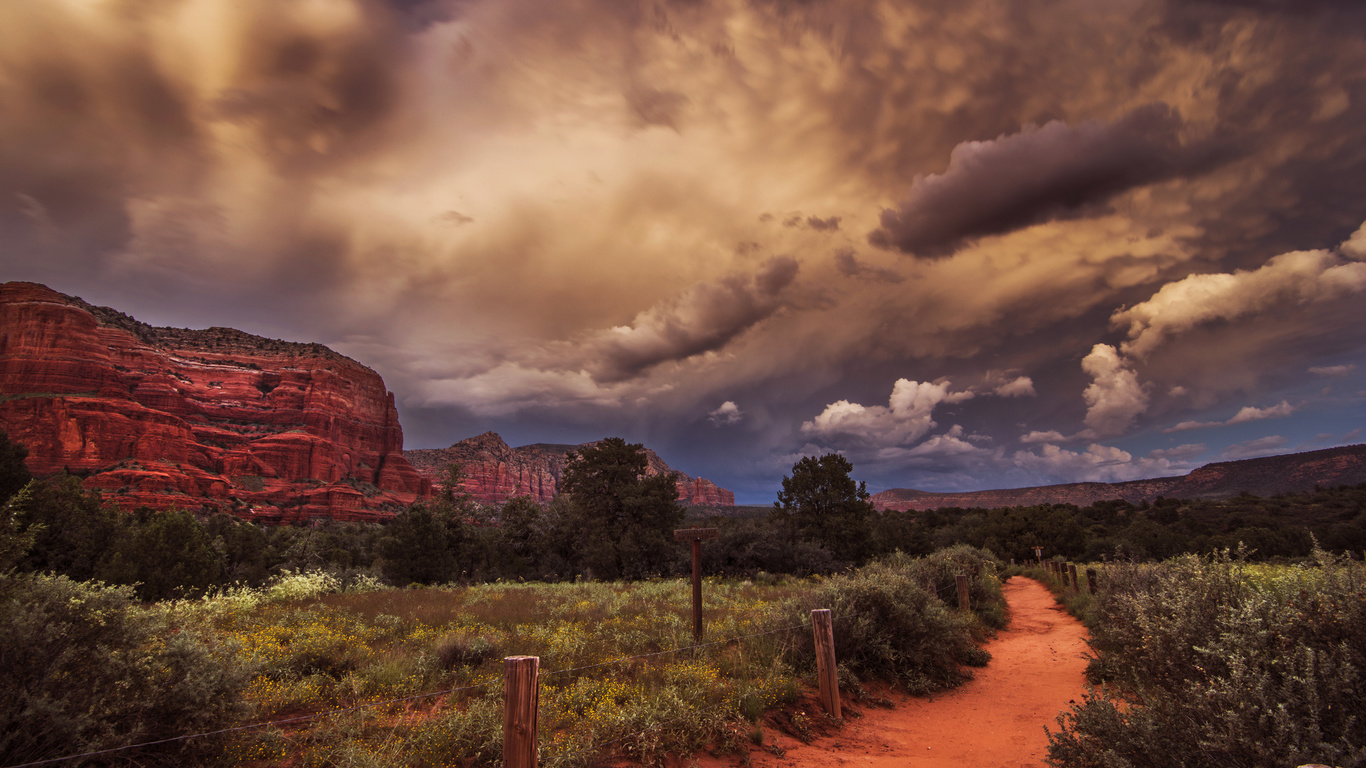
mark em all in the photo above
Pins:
pixel 376 676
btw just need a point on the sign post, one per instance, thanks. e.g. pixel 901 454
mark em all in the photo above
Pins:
pixel 696 536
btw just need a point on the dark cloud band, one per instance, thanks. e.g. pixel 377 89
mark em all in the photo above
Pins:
pixel 1037 175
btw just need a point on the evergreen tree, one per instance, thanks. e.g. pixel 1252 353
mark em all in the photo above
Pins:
pixel 72 531
pixel 821 503
pixel 420 545
pixel 621 521
pixel 165 555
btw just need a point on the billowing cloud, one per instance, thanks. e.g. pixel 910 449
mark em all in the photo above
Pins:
pixel 1296 278
pixel 726 414
pixel 1021 386
pixel 907 417
pixel 1245 414
pixel 1252 413
pixel 1098 463
pixel 1115 396
pixel 1355 246
pixel 1036 436
pixel 704 318
pixel 1041 173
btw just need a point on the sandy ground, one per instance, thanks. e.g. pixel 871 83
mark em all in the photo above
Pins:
pixel 995 720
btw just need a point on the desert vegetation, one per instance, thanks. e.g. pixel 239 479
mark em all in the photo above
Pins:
pixel 364 674
pixel 1214 660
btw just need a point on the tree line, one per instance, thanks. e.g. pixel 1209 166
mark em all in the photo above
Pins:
pixel 611 521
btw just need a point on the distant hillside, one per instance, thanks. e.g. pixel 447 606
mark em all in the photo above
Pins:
pixel 1267 476
pixel 495 471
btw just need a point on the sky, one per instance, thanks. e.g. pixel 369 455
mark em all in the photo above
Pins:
pixel 968 244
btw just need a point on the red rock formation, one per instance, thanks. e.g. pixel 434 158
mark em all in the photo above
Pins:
pixel 214 418
pixel 1265 476
pixel 496 472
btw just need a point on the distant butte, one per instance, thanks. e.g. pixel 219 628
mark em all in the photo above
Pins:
pixel 496 472
pixel 1267 476
pixel 202 420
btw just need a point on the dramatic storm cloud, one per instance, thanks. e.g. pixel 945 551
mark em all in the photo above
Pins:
pixel 1038 174
pixel 1066 234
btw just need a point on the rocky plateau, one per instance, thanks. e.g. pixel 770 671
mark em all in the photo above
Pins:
pixel 198 419
pixel 495 472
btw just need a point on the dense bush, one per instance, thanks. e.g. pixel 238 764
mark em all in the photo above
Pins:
pixel 1213 662
pixel 890 624
pixel 84 668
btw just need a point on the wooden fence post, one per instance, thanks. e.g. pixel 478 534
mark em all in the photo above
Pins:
pixel 1091 580
pixel 521 699
pixel 696 536
pixel 1072 573
pixel 962 591
pixel 823 630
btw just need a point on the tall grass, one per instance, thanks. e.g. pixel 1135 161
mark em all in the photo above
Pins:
pixel 413 676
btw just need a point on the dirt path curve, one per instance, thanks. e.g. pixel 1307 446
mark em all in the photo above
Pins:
pixel 995 720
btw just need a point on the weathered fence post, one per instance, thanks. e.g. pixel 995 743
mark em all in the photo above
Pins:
pixel 823 630
pixel 1072 572
pixel 521 699
pixel 1091 580
pixel 962 591
pixel 696 535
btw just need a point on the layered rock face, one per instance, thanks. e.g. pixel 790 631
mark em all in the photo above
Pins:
pixel 496 472
pixel 1266 476
pixel 217 418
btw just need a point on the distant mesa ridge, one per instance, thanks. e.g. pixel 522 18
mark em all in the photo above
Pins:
pixel 495 472
pixel 1266 476
pixel 217 418
pixel 273 430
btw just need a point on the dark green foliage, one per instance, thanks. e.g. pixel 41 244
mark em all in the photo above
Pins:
pixel 245 549
pixel 1218 666
pixel 83 668
pixel 14 474
pixel 1282 528
pixel 893 628
pixel 821 503
pixel 165 555
pixel 72 531
pixel 748 547
pixel 421 544
pixel 620 520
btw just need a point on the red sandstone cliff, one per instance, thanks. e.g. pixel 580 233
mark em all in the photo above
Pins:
pixel 1266 476
pixel 214 418
pixel 496 472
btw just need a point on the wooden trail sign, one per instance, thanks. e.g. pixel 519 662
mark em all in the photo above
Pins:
pixel 696 536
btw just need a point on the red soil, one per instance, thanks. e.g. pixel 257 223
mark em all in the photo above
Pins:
pixel 995 720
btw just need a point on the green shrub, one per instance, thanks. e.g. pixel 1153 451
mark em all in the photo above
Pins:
pixel 462 649
pixel 83 668
pixel 1221 664
pixel 888 626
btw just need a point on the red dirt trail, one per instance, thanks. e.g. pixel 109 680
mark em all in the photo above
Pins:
pixel 995 720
